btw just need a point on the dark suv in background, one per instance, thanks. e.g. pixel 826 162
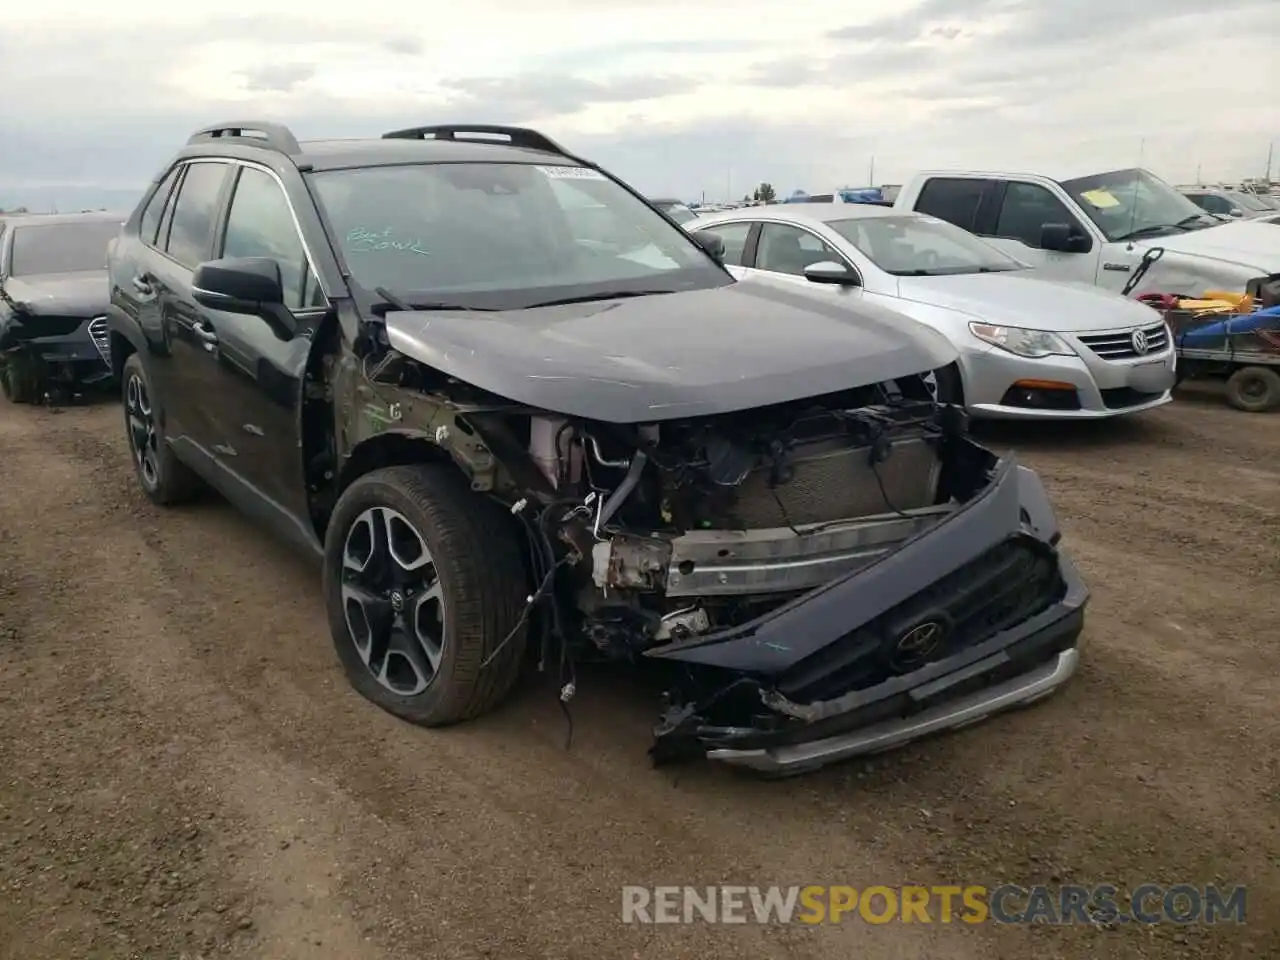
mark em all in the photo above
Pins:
pixel 53 303
pixel 513 407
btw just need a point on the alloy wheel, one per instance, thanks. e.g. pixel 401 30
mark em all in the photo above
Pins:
pixel 143 441
pixel 393 601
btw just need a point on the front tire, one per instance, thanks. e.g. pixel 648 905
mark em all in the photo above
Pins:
pixel 425 586
pixel 19 380
pixel 164 478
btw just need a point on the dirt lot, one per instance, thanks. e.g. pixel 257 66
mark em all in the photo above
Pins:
pixel 184 771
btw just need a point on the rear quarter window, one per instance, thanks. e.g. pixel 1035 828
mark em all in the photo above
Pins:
pixel 149 224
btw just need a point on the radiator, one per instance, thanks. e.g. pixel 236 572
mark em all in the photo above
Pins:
pixel 833 481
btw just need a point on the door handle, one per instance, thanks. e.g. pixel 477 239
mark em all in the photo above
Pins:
pixel 205 333
pixel 143 285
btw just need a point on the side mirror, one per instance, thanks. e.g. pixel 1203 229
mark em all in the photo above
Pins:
pixel 1235 212
pixel 828 271
pixel 247 285
pixel 1060 238
pixel 713 243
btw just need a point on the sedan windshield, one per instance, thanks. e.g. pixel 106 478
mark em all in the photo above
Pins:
pixel 1135 203
pixel 677 212
pixel 504 235
pixel 915 246
pixel 1247 201
pixel 61 247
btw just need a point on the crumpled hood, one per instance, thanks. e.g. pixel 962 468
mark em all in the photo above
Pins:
pixel 1250 242
pixel 85 293
pixel 1027 299
pixel 672 355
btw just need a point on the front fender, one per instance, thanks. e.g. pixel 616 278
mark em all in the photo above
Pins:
pixel 1192 275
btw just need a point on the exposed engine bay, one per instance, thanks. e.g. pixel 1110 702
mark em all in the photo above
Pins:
pixel 688 527
pixel 651 534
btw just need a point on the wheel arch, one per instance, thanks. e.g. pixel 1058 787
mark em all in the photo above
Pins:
pixel 390 448
pixel 120 349
pixel 123 339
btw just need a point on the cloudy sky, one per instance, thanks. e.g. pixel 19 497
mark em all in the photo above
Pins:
pixel 678 98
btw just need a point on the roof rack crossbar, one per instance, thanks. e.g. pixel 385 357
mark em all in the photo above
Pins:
pixel 275 136
pixel 518 136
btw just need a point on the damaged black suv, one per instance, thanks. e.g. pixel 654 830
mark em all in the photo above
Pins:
pixel 53 304
pixel 516 408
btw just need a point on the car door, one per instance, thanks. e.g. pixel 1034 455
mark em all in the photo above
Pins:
pixel 783 251
pixel 184 386
pixel 257 373
pixel 1024 209
pixel 132 262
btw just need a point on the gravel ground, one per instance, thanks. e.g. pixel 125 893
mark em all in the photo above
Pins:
pixel 184 771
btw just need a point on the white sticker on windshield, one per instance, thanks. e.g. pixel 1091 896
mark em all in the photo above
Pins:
pixel 650 256
pixel 572 173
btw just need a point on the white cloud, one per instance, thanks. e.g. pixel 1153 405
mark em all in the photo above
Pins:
pixel 676 98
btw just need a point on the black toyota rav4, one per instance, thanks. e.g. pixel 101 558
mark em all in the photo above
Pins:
pixel 513 407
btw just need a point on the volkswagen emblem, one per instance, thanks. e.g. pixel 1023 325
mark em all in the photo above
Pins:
pixel 918 644
pixel 1139 341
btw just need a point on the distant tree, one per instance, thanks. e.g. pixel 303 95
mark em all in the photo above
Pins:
pixel 765 193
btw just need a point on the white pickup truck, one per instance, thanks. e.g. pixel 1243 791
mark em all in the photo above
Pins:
pixel 1096 228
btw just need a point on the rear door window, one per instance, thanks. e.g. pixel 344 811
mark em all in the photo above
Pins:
pixel 1211 202
pixel 194 212
pixel 954 199
pixel 149 225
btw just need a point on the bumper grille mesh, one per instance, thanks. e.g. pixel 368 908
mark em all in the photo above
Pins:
pixel 996 591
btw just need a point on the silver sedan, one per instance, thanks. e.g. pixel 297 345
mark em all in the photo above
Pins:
pixel 1028 347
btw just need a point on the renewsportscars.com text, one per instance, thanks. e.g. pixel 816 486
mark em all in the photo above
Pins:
pixel 971 904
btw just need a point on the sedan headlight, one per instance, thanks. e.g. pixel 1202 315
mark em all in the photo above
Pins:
pixel 1022 342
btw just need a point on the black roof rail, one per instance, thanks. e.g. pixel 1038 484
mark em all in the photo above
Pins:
pixel 518 136
pixel 262 133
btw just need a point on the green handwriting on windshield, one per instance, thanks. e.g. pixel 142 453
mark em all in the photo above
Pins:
pixel 361 240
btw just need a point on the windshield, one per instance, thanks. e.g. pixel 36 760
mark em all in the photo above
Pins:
pixel 922 246
pixel 505 235
pixel 1247 201
pixel 61 247
pixel 677 212
pixel 1127 203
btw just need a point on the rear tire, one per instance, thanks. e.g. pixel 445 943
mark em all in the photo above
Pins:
pixel 1254 389
pixel 425 586
pixel 164 478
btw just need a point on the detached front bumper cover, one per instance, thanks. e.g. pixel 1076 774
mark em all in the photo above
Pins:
pixel 752 717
